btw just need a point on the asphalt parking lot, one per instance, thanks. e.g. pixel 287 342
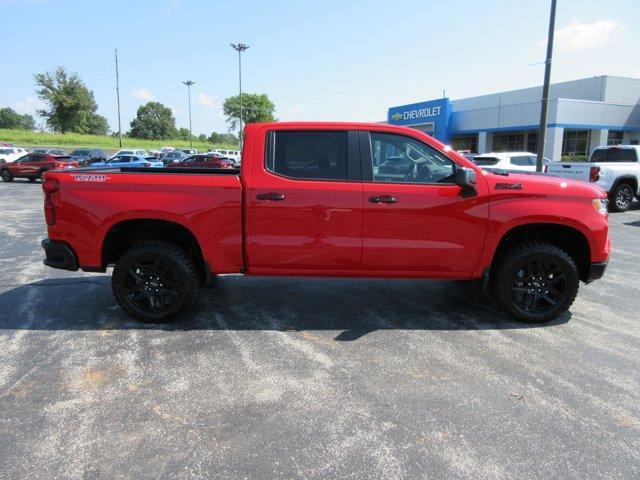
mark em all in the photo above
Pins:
pixel 298 378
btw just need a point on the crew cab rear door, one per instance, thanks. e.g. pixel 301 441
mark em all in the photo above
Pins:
pixel 418 220
pixel 304 201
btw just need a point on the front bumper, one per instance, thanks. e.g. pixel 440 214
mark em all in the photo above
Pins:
pixel 596 271
pixel 59 255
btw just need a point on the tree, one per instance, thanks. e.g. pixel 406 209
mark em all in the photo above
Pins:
pixel 9 118
pixel 223 138
pixel 71 106
pixel 202 137
pixel 153 121
pixel 183 133
pixel 256 107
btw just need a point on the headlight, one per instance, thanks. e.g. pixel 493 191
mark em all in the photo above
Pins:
pixel 601 205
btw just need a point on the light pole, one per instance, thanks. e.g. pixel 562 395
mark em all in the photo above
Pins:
pixel 240 47
pixel 542 131
pixel 188 83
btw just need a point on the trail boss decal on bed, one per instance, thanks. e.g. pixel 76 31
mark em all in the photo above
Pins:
pixel 90 178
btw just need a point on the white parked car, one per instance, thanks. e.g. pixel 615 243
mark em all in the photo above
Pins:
pixel 10 154
pixel 616 169
pixel 510 161
pixel 230 154
pixel 136 151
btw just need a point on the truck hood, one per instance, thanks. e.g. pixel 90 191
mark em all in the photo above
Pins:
pixel 541 184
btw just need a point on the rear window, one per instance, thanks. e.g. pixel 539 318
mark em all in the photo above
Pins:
pixel 308 155
pixel 614 155
pixel 63 158
pixel 485 161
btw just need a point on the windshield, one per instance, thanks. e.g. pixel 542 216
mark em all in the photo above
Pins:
pixel 173 155
pixel 80 153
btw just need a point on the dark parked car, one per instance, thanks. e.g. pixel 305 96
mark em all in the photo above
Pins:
pixel 87 156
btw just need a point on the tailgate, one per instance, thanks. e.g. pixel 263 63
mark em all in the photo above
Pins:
pixel 573 170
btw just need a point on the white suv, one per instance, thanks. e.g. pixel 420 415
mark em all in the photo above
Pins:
pixel 513 161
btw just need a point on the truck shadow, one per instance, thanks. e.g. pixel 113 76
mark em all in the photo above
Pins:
pixel 351 307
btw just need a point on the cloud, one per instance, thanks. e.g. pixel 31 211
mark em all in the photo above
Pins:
pixel 28 105
pixel 143 94
pixel 177 111
pixel 208 101
pixel 580 35
pixel 292 113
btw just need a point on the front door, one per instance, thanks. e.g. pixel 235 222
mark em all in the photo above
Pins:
pixel 305 202
pixel 415 217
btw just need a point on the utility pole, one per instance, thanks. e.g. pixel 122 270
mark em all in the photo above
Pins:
pixel 542 131
pixel 118 96
pixel 188 83
pixel 240 47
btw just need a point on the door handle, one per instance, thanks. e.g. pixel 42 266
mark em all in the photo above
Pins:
pixel 383 199
pixel 276 197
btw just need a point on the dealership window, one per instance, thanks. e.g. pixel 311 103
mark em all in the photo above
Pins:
pixel 400 159
pixel 532 143
pixel 615 137
pixel 465 142
pixel 508 142
pixel 575 142
pixel 308 155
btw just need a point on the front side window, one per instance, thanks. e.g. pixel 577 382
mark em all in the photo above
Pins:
pixel 308 155
pixel 401 159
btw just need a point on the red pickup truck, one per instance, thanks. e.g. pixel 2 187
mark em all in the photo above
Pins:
pixel 34 165
pixel 311 200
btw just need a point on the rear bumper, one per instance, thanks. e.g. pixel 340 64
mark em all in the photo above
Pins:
pixel 59 255
pixel 596 271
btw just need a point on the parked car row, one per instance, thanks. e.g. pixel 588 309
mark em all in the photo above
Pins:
pixel 16 162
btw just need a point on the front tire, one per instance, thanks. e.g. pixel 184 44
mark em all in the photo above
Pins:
pixel 535 282
pixel 155 281
pixel 6 176
pixel 622 197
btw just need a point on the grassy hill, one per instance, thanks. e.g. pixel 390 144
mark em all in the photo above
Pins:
pixel 27 138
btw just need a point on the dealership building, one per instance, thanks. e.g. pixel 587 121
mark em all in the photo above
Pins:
pixel 583 114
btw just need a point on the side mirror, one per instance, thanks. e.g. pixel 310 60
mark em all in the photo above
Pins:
pixel 466 178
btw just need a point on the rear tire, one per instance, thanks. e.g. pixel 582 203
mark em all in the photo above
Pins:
pixel 6 176
pixel 622 197
pixel 32 179
pixel 535 282
pixel 155 281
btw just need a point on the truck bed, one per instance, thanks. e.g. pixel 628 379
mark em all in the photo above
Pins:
pixel 90 201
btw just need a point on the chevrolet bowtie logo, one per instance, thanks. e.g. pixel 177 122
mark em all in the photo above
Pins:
pixel 396 116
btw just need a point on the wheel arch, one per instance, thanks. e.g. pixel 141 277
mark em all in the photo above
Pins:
pixel 625 179
pixel 126 233
pixel 565 237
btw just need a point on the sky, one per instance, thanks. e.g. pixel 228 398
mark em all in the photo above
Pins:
pixel 326 60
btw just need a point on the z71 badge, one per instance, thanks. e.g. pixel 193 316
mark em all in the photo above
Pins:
pixel 90 178
pixel 509 186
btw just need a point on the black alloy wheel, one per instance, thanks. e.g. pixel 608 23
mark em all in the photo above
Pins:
pixel 535 281
pixel 538 286
pixel 154 281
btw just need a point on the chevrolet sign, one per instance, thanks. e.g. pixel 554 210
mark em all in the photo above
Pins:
pixel 434 112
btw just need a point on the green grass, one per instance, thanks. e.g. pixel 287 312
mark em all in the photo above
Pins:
pixel 27 138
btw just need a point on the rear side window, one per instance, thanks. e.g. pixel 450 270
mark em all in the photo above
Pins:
pixel 614 155
pixel 523 161
pixel 308 155
pixel 485 161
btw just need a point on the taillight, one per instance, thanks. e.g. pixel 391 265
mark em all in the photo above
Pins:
pixel 50 186
pixel 594 174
